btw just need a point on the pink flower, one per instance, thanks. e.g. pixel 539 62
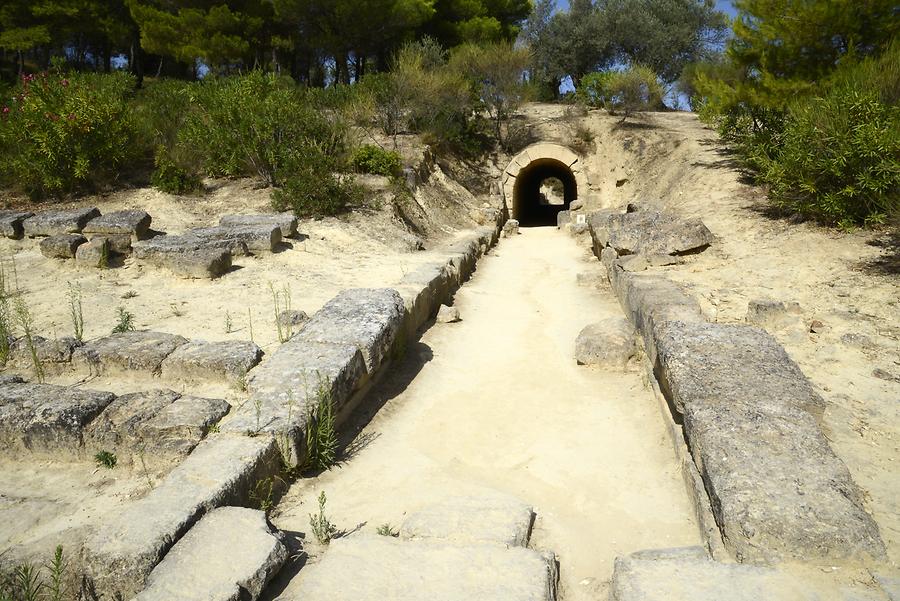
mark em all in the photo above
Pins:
pixel 71 116
pixel 5 110
pixel 65 83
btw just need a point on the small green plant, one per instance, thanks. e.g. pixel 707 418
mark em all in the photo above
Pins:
pixel 104 256
pixel 376 160
pixel 282 302
pixel 6 318
pixel 262 493
pixel 75 310
pixel 27 579
pixel 28 582
pixel 106 459
pixel 130 294
pixel 229 325
pixel 321 436
pixel 176 310
pixel 172 178
pixel 26 323
pixel 322 528
pixel 125 321
pixel 241 384
pixel 57 568
pixel 387 530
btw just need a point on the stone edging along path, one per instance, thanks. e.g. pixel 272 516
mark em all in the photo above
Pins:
pixel 344 347
pixel 767 486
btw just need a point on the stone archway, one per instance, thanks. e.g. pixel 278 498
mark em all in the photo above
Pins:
pixel 525 173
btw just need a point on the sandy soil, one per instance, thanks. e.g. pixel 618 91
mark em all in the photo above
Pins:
pixel 497 402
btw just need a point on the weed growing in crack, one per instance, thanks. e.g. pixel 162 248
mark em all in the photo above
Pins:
pixel 282 301
pixel 321 437
pixel 75 311
pixel 322 528
pixel 125 321
pixel 261 495
pixel 26 323
pixel 106 459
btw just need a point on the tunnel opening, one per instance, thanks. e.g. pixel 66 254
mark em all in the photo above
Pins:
pixel 543 189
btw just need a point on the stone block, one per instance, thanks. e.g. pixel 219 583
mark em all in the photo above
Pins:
pixel 133 223
pixel 365 567
pixel 772 314
pixel 188 256
pixel 656 232
pixel 777 489
pixel 367 318
pixel 11 223
pixel 286 222
pixel 263 237
pixel 127 352
pixel 563 218
pixel 448 315
pixel 129 543
pixel 61 246
pixel 510 228
pixel 289 318
pixel 47 419
pixel 48 351
pixel 609 343
pixel 200 360
pixel 198 568
pixel 50 223
pixel 162 424
pixel 598 226
pixel 687 577
pixel 499 519
pixel 94 254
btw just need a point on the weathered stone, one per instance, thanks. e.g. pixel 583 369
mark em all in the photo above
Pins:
pixel 368 318
pixel 576 205
pixel 127 351
pixel 94 254
pixel 200 360
pixel 160 423
pixel 366 567
pixel 563 218
pixel 598 225
pixel 51 223
pixel 47 419
pixel 448 315
pixel 286 222
pixel 496 518
pixel 61 246
pixel 510 228
pixel 10 379
pixel 188 256
pixel 577 229
pixel 197 569
pixel 263 237
pixel 134 223
pixel 608 343
pixel 771 314
pixel 643 262
pixel 687 577
pixel 890 584
pixel 292 317
pixel 655 232
pixel 777 489
pixel 11 223
pixel 424 289
pixel 127 545
pixel 47 350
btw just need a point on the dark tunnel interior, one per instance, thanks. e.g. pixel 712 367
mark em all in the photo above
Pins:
pixel 530 207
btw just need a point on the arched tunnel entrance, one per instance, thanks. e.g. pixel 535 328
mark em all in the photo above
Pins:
pixel 541 181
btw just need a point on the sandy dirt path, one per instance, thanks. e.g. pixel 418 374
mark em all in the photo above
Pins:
pixel 496 403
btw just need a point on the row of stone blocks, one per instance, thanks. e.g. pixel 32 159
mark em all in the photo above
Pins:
pixel 338 351
pixel 90 238
pixel 750 419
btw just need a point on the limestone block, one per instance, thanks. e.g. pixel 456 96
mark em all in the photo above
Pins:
pixel 510 228
pixel 286 222
pixel 367 567
pixel 772 314
pixel 609 343
pixel 129 543
pixel 292 317
pixel 47 419
pixel 367 318
pixel 127 352
pixel 448 315
pixel 11 223
pixel 229 555
pixel 188 256
pixel 493 518
pixel 262 237
pixel 200 360
pixel 656 232
pixel 563 218
pixel 61 246
pixel 162 424
pixel 48 351
pixel 50 223
pixel 94 254
pixel 133 223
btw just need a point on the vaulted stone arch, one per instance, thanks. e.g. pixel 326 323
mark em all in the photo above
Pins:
pixel 528 169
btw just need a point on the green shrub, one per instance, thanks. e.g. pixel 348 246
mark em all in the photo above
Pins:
pixel 595 90
pixel 170 177
pixel 838 158
pixel 635 89
pixel 66 132
pixel 376 160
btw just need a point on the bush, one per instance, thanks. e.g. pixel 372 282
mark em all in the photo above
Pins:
pixel 66 132
pixel 635 89
pixel 170 177
pixel 838 158
pixel 595 89
pixel 376 160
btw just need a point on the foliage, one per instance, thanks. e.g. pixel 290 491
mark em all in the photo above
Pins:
pixel 125 321
pixel 321 435
pixel 634 89
pixel 387 530
pixel 28 582
pixel 73 295
pixel 64 132
pixel 106 459
pixel 25 321
pixel 376 160
pixel 596 89
pixel 170 177
pixel 321 526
